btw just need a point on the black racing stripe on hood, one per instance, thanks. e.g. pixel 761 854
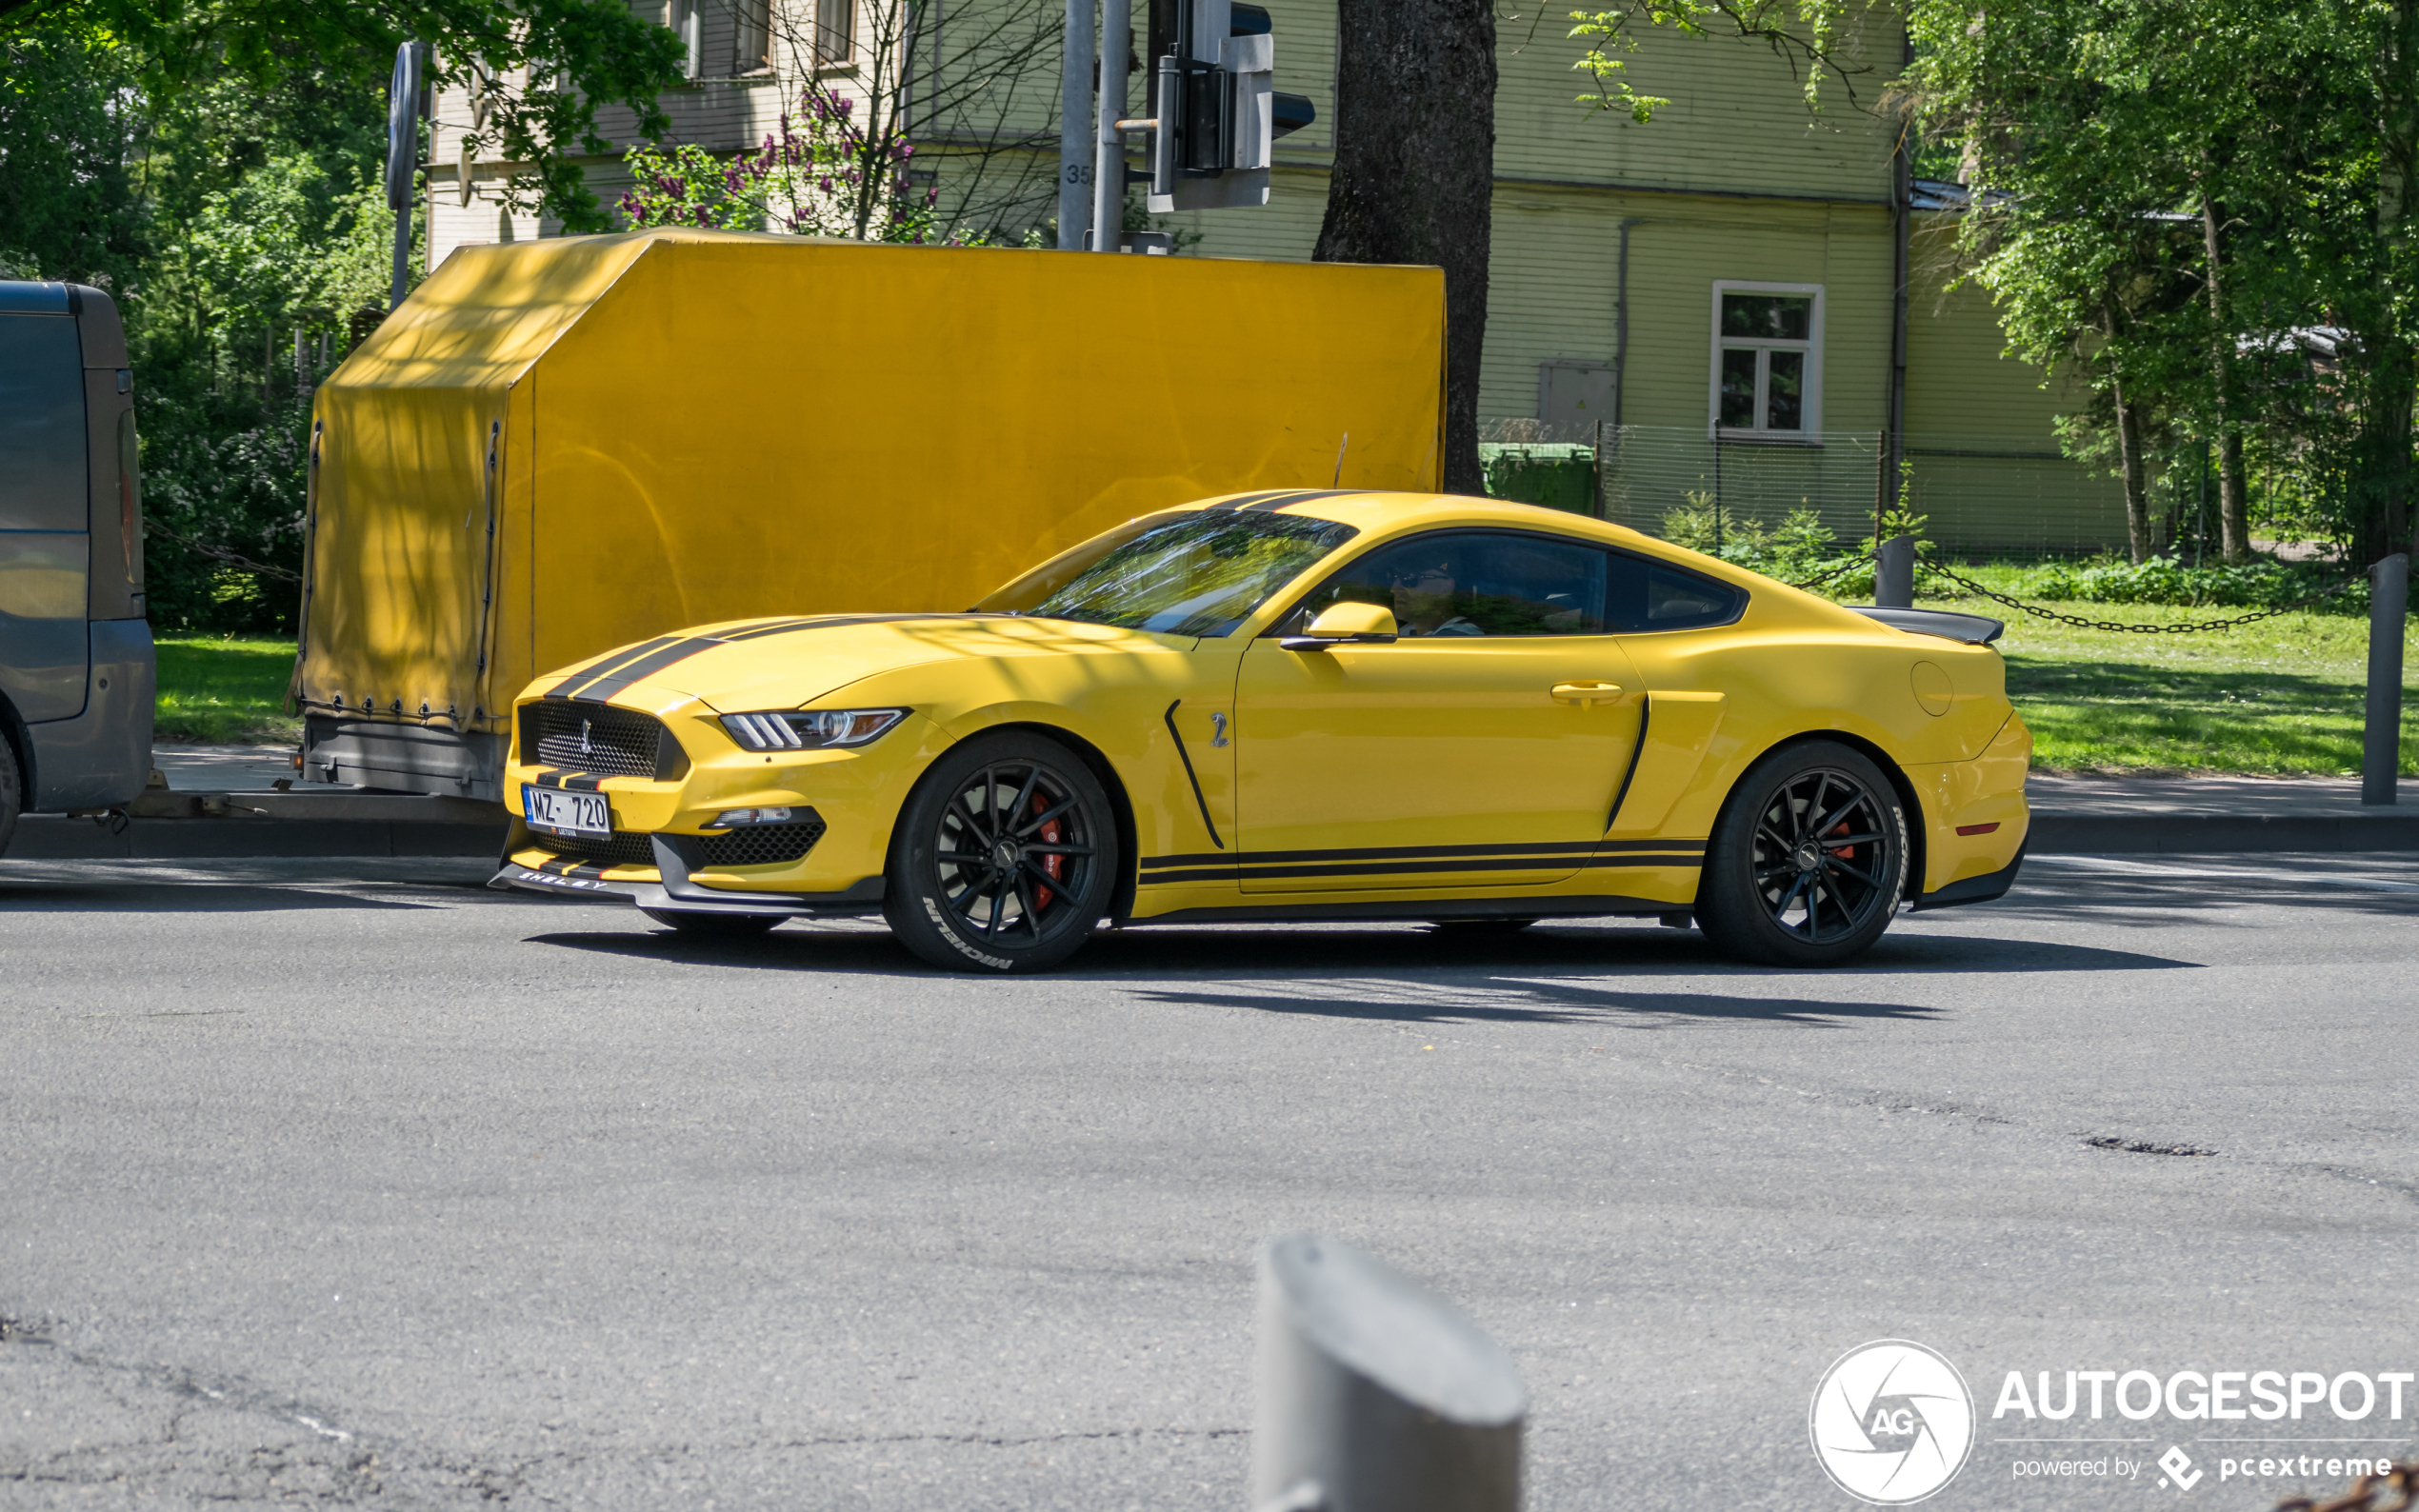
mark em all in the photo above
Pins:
pixel 831 623
pixel 599 689
pixel 1244 500
pixel 570 686
pixel 600 685
pixel 1272 504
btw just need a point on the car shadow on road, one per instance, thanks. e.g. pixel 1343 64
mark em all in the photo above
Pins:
pixel 1409 955
pixel 1546 1002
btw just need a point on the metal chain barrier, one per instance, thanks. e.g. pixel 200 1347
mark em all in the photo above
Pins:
pixel 1848 565
pixel 2079 621
pixel 2368 1494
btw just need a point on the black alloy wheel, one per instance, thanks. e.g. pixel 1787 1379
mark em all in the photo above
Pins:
pixel 1003 857
pixel 715 925
pixel 1808 861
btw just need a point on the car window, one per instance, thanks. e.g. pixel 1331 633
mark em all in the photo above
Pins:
pixel 1473 583
pixel 42 446
pixel 1197 574
pixel 1649 595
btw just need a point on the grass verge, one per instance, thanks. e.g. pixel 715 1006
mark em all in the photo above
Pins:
pixel 2280 698
pixel 230 693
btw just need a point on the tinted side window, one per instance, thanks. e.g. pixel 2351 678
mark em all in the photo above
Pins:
pixel 1655 596
pixel 1478 584
pixel 42 455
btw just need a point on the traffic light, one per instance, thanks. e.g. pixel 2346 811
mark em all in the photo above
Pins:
pixel 1217 115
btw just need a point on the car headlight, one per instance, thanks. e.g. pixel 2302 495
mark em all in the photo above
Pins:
pixel 809 730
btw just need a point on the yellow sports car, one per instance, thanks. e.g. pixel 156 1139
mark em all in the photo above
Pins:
pixel 1308 705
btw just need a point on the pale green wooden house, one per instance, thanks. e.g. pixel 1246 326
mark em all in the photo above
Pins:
pixel 1706 300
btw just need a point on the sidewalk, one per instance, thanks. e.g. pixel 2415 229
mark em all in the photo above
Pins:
pixel 221 801
pixel 2121 815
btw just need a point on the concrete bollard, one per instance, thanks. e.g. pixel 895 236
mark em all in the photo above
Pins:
pixel 1375 1394
pixel 1894 574
pixel 2381 745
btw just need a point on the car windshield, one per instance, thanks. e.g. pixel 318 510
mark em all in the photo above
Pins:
pixel 1181 574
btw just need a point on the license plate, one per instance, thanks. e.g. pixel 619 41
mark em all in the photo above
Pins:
pixel 567 813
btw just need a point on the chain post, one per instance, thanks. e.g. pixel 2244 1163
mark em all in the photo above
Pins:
pixel 1894 579
pixel 2381 740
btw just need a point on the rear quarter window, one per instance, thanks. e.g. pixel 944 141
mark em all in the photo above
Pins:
pixel 1645 595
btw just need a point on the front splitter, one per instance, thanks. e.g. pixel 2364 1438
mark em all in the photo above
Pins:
pixel 675 892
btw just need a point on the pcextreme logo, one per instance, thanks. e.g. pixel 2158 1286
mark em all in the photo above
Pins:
pixel 1892 1421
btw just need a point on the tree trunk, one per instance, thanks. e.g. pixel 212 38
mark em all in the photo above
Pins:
pixel 2233 510
pixel 2137 498
pixel 1415 171
pixel 2233 496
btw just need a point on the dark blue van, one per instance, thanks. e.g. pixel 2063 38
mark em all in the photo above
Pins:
pixel 78 671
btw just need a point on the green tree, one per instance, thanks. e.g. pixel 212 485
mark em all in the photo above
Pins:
pixel 541 66
pixel 2165 192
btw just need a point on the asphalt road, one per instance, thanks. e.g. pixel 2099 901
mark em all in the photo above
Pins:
pixel 350 1182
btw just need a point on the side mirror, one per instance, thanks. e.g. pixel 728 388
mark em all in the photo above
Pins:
pixel 1346 624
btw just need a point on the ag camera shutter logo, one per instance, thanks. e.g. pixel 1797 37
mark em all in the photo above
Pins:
pixel 1892 1421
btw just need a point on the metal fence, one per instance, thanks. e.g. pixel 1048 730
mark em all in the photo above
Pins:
pixel 1982 494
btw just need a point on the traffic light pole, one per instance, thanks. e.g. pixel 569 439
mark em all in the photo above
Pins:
pixel 1108 163
pixel 1075 146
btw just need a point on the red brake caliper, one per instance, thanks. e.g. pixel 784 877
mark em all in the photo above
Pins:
pixel 1053 864
pixel 1843 852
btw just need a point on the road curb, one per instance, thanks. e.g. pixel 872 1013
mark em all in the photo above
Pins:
pixel 51 836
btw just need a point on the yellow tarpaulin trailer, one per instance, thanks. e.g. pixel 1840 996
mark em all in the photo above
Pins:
pixel 555 448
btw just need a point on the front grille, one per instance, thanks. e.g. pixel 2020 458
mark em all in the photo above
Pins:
pixel 596 738
pixel 761 845
pixel 620 848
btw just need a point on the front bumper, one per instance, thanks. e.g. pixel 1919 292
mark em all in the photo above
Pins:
pixel 666 851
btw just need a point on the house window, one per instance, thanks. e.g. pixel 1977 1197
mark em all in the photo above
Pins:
pixel 687 18
pixel 755 52
pixel 1767 361
pixel 836 30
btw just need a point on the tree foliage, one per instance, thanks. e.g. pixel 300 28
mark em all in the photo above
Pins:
pixel 543 67
pixel 2203 208
pixel 819 173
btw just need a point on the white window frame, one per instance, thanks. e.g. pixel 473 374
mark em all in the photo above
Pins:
pixel 1812 407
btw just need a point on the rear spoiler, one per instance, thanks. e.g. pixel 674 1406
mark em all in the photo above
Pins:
pixel 1974 629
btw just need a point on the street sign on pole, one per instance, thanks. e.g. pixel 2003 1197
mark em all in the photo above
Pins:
pixel 403 156
pixel 1375 1394
pixel 1075 140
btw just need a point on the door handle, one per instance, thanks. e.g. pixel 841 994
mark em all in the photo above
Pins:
pixel 1589 693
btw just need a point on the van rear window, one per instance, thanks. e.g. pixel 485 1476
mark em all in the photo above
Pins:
pixel 42 448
